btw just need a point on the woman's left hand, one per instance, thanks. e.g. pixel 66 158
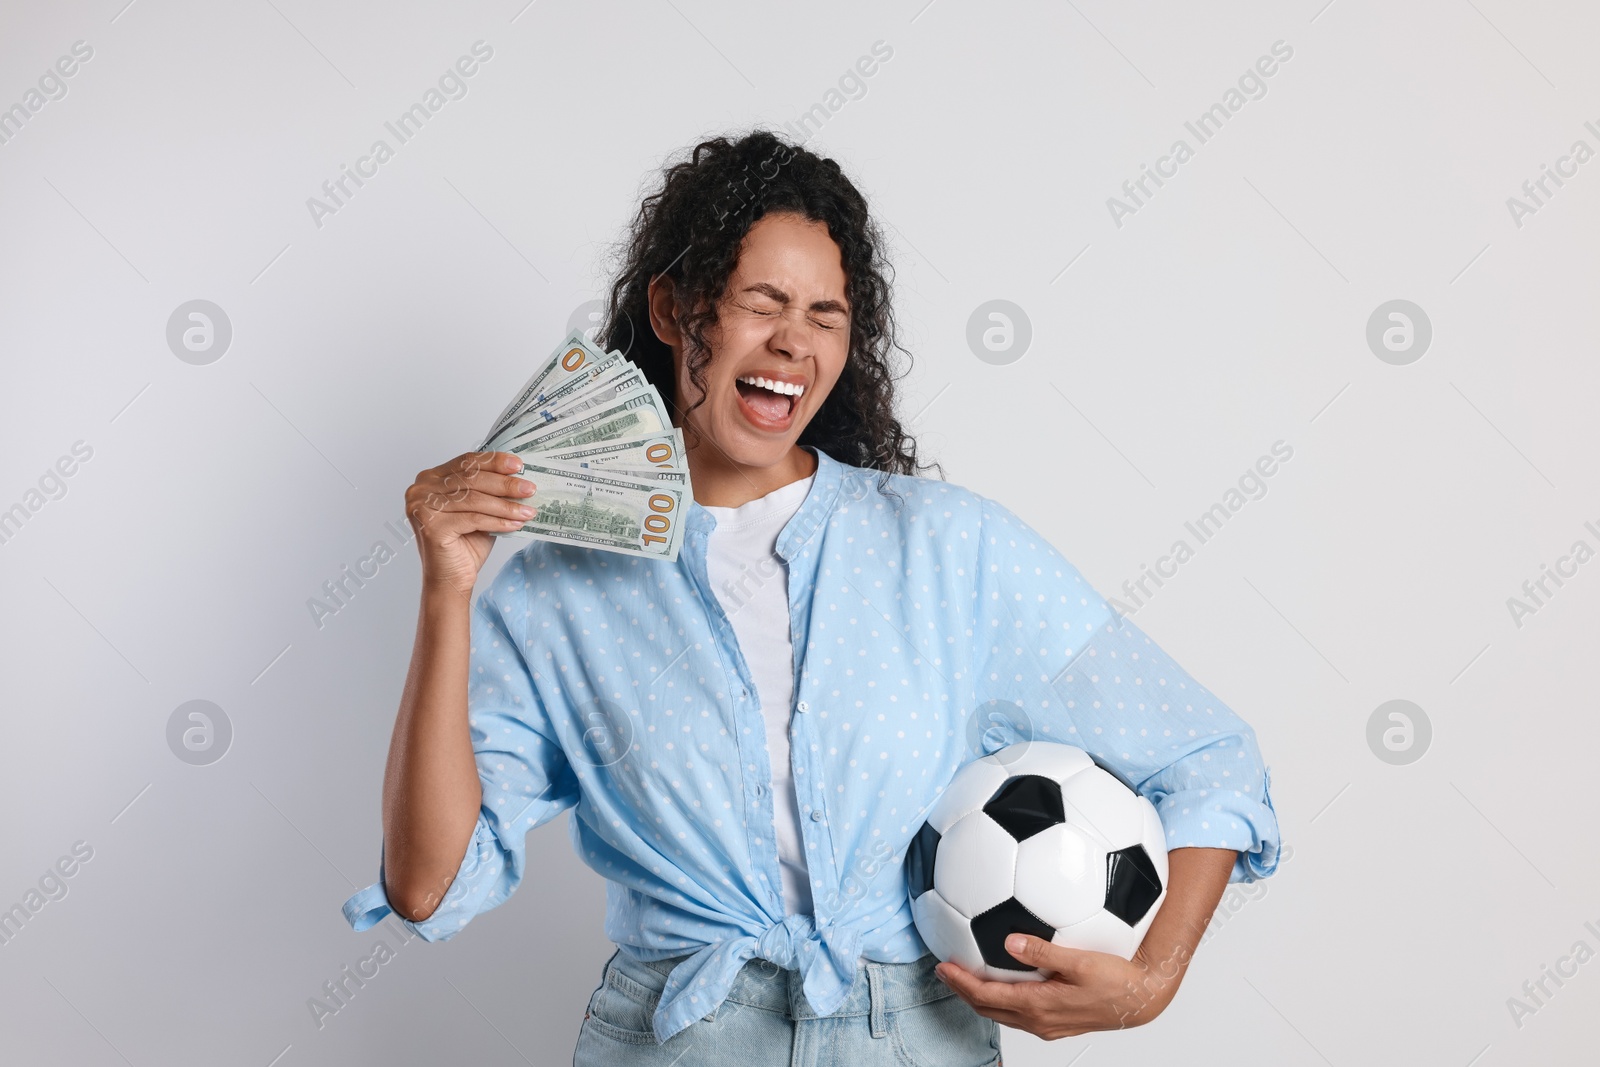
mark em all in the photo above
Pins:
pixel 1096 990
pixel 1087 991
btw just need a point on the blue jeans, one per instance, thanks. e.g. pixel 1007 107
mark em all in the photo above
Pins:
pixel 896 1013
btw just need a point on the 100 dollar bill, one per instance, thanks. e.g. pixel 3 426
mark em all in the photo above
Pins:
pixel 637 413
pixel 638 515
pixel 663 450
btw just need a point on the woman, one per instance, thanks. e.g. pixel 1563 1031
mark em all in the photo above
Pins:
pixel 750 736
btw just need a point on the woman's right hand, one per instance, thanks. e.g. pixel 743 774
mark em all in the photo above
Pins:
pixel 456 509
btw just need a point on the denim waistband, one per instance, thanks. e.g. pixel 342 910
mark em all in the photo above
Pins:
pixel 878 987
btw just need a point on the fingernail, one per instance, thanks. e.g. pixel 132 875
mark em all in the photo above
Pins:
pixel 524 510
pixel 524 486
pixel 1016 943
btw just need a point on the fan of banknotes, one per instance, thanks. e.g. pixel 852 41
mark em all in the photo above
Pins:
pixel 607 464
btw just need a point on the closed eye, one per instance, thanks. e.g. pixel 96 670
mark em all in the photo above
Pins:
pixel 830 326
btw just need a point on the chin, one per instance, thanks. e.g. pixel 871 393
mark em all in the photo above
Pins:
pixel 747 450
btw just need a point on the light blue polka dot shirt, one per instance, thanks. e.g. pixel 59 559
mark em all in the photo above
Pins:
pixel 930 626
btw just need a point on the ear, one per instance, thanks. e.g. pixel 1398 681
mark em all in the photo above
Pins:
pixel 663 311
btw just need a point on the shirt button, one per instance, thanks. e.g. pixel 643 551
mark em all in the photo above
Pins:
pixel 802 706
pixel 816 816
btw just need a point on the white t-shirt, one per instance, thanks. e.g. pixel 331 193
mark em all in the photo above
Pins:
pixel 752 583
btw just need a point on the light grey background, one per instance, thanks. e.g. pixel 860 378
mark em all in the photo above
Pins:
pixel 1167 354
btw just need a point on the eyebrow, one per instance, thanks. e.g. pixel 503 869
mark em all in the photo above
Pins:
pixel 770 290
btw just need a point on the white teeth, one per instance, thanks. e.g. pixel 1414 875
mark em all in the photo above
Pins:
pixel 776 387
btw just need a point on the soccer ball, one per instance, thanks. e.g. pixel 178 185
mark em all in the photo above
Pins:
pixel 1035 839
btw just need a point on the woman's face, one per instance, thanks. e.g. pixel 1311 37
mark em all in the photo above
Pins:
pixel 784 318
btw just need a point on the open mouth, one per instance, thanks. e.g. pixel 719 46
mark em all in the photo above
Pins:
pixel 773 401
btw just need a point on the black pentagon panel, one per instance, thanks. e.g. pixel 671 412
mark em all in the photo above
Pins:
pixel 992 928
pixel 920 854
pixel 1132 884
pixel 1026 805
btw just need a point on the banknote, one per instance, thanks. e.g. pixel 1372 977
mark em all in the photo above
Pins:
pixel 634 515
pixel 608 467
pixel 664 449
pixel 638 412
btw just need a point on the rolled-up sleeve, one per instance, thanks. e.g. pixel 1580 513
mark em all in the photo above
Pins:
pixel 1077 672
pixel 525 776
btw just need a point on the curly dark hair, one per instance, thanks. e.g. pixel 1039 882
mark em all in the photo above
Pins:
pixel 690 229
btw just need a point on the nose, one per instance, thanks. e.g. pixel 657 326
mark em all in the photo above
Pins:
pixel 791 335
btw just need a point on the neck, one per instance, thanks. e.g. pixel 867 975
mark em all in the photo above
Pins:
pixel 719 482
